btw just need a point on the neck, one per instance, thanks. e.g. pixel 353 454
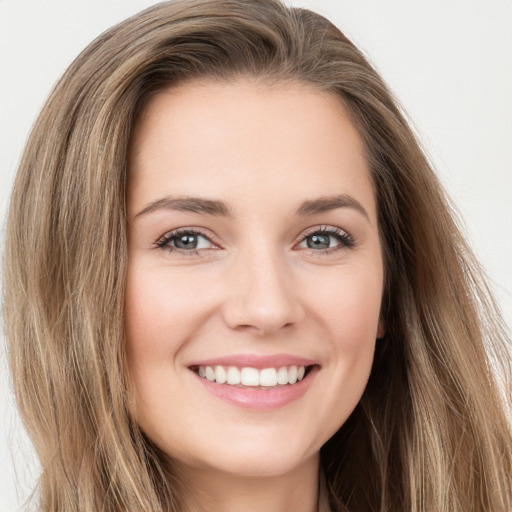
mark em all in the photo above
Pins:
pixel 215 491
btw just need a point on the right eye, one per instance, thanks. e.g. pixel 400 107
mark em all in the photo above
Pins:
pixel 185 241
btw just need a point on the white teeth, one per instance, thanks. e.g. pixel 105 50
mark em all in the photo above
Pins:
pixel 220 375
pixel 282 375
pixel 268 377
pixel 292 374
pixel 250 377
pixel 233 375
pixel 210 374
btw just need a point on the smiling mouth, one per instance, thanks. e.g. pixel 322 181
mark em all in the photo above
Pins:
pixel 253 378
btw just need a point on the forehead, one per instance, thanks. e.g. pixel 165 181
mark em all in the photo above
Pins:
pixel 230 139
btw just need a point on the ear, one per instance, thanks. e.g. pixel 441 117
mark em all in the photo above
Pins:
pixel 381 329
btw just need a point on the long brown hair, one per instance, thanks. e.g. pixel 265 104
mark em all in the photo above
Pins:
pixel 431 431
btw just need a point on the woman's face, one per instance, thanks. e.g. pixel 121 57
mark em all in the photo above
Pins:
pixel 254 257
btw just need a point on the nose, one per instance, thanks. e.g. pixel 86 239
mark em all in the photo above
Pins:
pixel 262 296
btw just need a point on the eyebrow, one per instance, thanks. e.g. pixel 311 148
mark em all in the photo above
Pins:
pixel 328 203
pixel 188 204
pixel 219 208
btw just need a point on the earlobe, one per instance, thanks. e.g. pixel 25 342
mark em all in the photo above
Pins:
pixel 381 329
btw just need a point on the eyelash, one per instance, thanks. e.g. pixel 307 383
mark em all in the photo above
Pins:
pixel 164 241
pixel 345 240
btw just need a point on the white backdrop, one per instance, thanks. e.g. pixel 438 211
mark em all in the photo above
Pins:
pixel 448 61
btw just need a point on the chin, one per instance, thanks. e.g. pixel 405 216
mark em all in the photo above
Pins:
pixel 254 457
pixel 262 465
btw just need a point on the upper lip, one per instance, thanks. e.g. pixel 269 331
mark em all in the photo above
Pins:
pixel 256 361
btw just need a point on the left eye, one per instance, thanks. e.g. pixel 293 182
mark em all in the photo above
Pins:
pixel 321 240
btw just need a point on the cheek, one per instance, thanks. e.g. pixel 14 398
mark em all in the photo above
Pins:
pixel 344 313
pixel 350 308
pixel 157 325
pixel 349 304
pixel 159 308
pixel 155 321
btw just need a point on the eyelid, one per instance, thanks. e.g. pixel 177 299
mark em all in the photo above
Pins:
pixel 163 240
pixel 324 228
pixel 346 240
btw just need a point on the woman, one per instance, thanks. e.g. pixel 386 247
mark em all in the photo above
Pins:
pixel 233 282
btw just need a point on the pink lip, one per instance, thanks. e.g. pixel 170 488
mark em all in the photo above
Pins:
pixel 260 399
pixel 256 361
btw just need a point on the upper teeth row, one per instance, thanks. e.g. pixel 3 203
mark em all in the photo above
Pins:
pixel 252 376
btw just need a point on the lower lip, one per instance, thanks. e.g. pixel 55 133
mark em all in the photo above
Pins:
pixel 260 398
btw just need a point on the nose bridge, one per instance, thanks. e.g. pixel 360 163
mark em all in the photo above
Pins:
pixel 262 295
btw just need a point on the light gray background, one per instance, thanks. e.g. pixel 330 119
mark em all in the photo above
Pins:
pixel 448 61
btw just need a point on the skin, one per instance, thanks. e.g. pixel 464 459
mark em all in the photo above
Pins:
pixel 253 286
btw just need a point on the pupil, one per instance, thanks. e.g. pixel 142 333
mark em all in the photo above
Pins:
pixel 186 242
pixel 318 241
